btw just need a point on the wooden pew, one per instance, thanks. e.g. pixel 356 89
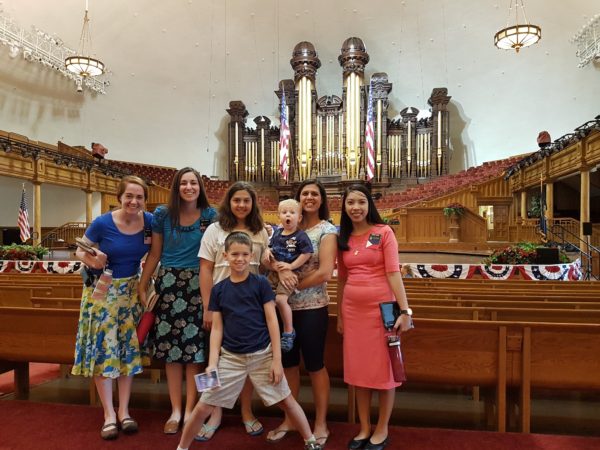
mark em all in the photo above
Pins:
pixel 35 335
pixel 557 356
pixel 56 302
pixel 508 314
pixel 38 277
pixel 20 296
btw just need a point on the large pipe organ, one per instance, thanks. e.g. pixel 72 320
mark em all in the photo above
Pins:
pixel 327 133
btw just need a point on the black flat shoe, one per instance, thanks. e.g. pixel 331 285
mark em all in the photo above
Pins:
pixel 356 444
pixel 380 446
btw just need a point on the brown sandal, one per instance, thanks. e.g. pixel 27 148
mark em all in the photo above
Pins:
pixel 129 425
pixel 109 431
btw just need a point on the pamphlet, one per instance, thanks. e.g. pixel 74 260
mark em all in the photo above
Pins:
pixel 206 381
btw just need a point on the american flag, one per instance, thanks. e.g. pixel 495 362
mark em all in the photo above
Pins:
pixel 23 220
pixel 369 134
pixel 284 141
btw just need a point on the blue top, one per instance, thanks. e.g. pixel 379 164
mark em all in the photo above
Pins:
pixel 286 248
pixel 241 304
pixel 180 248
pixel 124 251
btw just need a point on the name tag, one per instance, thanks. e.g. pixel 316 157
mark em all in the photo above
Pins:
pixel 374 239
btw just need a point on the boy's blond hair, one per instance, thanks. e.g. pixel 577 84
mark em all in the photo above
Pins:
pixel 289 202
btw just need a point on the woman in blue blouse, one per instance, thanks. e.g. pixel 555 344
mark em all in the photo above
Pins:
pixel 107 347
pixel 178 336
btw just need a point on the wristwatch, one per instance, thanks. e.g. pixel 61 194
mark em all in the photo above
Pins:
pixel 408 312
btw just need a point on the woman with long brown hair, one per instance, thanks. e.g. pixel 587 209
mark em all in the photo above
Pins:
pixel 178 336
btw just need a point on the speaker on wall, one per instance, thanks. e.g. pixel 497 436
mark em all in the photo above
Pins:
pixel 547 255
pixel 587 228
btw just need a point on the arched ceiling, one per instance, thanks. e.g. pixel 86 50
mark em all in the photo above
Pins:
pixel 175 65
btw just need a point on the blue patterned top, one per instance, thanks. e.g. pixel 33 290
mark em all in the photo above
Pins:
pixel 316 296
pixel 180 248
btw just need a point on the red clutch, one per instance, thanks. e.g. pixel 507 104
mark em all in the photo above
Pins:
pixel 147 321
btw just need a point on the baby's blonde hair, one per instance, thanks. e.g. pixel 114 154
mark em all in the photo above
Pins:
pixel 289 202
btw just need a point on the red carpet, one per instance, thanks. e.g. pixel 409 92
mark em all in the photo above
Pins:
pixel 38 373
pixel 28 425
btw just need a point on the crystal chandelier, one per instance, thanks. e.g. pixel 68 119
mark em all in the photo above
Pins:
pixel 39 47
pixel 588 41
pixel 518 35
pixel 82 63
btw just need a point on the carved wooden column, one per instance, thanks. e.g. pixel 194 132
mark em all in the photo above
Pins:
pixel 549 213
pixel 523 205
pixel 88 207
pixel 237 158
pixel 585 200
pixel 37 213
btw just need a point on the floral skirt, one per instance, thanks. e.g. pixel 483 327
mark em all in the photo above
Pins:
pixel 178 335
pixel 107 343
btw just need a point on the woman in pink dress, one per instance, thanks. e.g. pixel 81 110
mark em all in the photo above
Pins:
pixel 368 274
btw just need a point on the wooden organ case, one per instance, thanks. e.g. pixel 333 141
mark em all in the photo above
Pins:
pixel 327 133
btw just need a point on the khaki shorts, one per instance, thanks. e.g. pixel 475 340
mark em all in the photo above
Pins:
pixel 277 286
pixel 234 368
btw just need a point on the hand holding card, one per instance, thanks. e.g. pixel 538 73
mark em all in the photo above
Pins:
pixel 206 381
pixel 85 246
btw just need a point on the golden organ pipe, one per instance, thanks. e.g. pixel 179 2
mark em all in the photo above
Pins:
pixel 341 141
pixel 428 154
pixel 262 153
pixel 236 160
pixel 409 154
pixel 357 122
pixel 300 125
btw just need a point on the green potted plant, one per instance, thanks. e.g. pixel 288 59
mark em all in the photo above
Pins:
pixel 454 209
pixel 17 252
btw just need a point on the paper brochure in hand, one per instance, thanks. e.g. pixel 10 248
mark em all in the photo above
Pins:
pixel 206 381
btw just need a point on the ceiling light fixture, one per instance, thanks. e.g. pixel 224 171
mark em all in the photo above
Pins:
pixel 49 51
pixel 588 41
pixel 518 35
pixel 82 63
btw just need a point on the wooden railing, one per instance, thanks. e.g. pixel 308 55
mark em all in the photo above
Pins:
pixel 64 235
pixel 430 225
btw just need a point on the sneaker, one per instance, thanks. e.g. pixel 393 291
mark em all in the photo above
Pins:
pixel 312 445
pixel 287 341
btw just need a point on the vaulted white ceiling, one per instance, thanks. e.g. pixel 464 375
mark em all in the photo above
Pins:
pixel 175 65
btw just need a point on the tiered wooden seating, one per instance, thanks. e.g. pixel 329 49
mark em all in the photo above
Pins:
pixel 445 185
pixel 159 175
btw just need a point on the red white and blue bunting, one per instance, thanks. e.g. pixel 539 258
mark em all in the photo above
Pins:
pixel 57 267
pixel 563 272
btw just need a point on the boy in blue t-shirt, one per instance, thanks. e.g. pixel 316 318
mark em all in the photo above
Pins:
pixel 290 249
pixel 244 342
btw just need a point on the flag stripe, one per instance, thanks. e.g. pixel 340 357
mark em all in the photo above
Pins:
pixel 369 137
pixel 23 220
pixel 284 141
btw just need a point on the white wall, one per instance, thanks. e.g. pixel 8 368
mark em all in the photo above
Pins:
pixel 175 65
pixel 59 204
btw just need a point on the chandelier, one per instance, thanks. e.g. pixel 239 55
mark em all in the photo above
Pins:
pixel 82 63
pixel 39 47
pixel 588 41
pixel 518 35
